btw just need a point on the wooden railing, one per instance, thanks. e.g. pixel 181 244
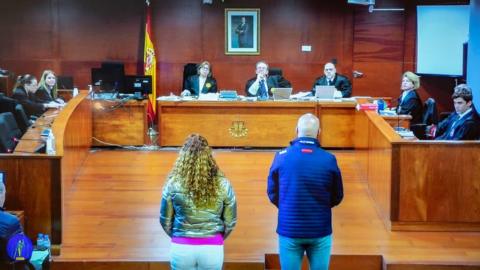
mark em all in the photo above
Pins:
pixel 36 183
pixel 420 185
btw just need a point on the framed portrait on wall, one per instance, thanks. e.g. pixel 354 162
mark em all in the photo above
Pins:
pixel 242 31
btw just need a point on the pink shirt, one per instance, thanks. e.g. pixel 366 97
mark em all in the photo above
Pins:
pixel 216 240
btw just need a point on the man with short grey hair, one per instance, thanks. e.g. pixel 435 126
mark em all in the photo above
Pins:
pixel 304 184
pixel 331 77
pixel 261 85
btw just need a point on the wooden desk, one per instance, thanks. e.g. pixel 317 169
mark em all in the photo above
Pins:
pixel 37 182
pixel 398 120
pixel 252 124
pixel 32 140
pixel 421 185
pixel 337 121
pixel 120 123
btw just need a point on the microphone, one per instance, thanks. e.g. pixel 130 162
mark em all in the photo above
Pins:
pixel 398 122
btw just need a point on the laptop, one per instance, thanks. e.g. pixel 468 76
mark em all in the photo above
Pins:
pixel 281 93
pixel 325 91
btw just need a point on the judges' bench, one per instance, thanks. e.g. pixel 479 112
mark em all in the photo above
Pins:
pixel 253 124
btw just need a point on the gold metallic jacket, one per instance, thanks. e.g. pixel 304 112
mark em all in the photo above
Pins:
pixel 179 217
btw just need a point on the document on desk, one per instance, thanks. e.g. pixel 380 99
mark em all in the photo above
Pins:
pixel 169 98
pixel 208 97
pixel 300 95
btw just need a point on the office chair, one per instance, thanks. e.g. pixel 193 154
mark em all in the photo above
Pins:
pixel 21 117
pixel 7 104
pixel 278 74
pixel 430 117
pixel 9 132
pixel 275 72
pixel 10 105
pixel 430 113
pixel 188 70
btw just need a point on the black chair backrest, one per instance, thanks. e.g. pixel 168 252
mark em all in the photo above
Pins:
pixel 275 71
pixel 9 132
pixel 188 70
pixel 21 118
pixel 7 104
pixel 11 105
pixel 430 113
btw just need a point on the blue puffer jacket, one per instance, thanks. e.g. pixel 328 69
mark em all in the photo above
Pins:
pixel 305 183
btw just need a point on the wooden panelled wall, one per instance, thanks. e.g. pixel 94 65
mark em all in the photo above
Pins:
pixel 72 36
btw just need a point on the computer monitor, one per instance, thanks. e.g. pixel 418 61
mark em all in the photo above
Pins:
pixel 137 83
pixel 110 77
pixel 97 76
pixel 64 82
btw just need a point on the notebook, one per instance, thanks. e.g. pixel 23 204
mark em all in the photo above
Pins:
pixel 281 93
pixel 325 92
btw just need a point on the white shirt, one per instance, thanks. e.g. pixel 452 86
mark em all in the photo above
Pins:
pixel 463 114
pixel 201 83
pixel 253 89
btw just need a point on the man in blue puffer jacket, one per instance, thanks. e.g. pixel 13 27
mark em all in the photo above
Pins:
pixel 305 183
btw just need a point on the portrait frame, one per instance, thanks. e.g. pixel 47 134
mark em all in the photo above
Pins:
pixel 242 31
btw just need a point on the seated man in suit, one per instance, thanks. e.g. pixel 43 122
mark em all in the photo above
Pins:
pixel 464 123
pixel 341 83
pixel 261 85
pixel 202 81
pixel 9 224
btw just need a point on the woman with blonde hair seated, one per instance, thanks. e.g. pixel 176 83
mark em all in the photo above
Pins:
pixel 409 101
pixel 202 83
pixel 198 209
pixel 47 88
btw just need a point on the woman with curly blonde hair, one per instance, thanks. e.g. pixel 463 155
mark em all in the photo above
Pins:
pixel 198 209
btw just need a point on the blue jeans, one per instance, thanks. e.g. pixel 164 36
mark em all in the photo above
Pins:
pixel 292 250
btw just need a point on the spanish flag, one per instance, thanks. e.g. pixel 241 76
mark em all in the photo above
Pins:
pixel 150 65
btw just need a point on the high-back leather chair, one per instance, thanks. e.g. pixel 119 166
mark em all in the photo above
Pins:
pixel 189 69
pixel 430 113
pixel 21 117
pixel 11 105
pixel 9 132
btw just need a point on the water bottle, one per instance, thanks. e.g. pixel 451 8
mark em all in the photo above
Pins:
pixel 75 91
pixel 51 144
pixel 40 242
pixel 381 105
pixel 48 244
pixel 90 91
